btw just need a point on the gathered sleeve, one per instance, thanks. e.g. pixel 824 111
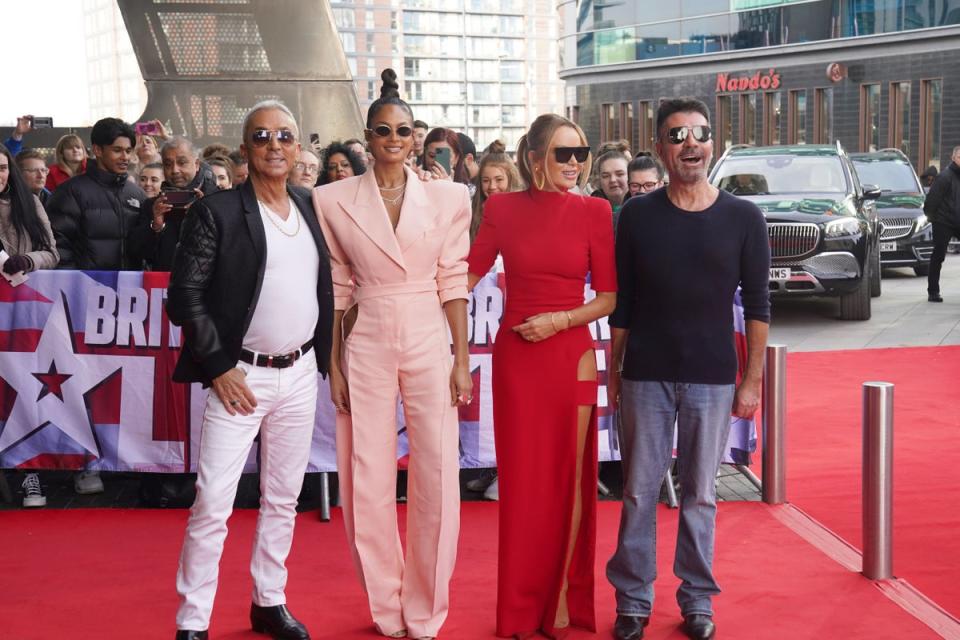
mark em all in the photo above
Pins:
pixel 340 268
pixel 452 262
pixel 485 247
pixel 603 270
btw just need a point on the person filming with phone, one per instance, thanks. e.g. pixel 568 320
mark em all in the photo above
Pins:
pixel 184 181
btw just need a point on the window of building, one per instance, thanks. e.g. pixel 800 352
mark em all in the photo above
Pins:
pixel 869 117
pixel 899 125
pixel 772 112
pixel 931 95
pixel 368 19
pixel 626 124
pixel 345 18
pixel 748 118
pixel 575 114
pixel 648 133
pixel 823 116
pixel 608 122
pixel 723 138
pixel 797 118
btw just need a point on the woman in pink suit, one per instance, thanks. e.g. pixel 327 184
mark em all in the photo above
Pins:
pixel 398 248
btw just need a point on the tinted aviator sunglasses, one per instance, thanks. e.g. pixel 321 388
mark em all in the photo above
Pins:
pixel 701 133
pixel 262 137
pixel 382 131
pixel 563 154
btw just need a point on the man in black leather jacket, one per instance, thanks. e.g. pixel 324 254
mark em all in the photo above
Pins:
pixel 92 213
pixel 157 229
pixel 251 287
pixel 942 208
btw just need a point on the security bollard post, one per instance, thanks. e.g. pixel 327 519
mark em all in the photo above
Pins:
pixel 878 480
pixel 774 486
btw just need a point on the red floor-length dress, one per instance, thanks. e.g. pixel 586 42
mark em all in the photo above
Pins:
pixel 549 241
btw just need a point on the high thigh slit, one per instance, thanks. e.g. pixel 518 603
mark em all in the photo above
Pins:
pixel 549 242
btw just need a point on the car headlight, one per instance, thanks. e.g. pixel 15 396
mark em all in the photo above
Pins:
pixel 921 223
pixel 842 228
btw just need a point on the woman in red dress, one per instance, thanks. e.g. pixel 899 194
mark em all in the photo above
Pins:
pixel 545 380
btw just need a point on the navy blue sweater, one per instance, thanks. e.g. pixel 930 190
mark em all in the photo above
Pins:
pixel 677 273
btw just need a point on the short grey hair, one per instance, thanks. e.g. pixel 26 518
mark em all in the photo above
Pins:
pixel 265 105
pixel 956 150
pixel 176 142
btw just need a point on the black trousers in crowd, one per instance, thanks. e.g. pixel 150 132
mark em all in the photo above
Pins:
pixel 942 234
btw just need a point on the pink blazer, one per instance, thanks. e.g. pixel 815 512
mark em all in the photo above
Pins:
pixel 428 249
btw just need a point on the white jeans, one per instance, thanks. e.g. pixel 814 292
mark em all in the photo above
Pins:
pixel 284 417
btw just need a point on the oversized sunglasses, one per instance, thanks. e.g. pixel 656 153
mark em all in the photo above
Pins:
pixel 382 131
pixel 563 154
pixel 701 133
pixel 262 137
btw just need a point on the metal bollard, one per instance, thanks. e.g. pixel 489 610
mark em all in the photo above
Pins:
pixel 325 497
pixel 774 486
pixel 878 480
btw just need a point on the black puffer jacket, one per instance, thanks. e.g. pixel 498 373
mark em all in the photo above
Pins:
pixel 92 215
pixel 943 202
pixel 157 249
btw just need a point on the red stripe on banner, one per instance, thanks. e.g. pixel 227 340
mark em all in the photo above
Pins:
pixel 7 397
pixel 104 400
pixel 56 461
pixel 20 339
pixel 23 293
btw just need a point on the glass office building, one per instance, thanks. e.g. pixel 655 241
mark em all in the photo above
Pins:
pixel 484 67
pixel 870 73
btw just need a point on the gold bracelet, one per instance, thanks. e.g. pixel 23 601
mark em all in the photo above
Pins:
pixel 569 319
pixel 553 323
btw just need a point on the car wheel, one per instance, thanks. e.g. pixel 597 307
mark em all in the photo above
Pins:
pixel 856 304
pixel 875 276
pixel 922 269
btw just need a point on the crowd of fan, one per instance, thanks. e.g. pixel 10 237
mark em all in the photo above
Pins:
pixel 108 207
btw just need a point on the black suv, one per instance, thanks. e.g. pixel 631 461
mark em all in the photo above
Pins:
pixel 906 237
pixel 822 222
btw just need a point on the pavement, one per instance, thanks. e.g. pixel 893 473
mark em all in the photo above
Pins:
pixel 902 317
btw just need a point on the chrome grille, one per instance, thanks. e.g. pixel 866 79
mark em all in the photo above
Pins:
pixel 792 239
pixel 894 228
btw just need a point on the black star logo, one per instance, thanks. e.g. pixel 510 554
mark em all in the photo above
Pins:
pixel 52 382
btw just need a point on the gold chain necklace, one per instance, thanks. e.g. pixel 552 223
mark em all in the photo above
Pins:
pixel 277 226
pixel 393 201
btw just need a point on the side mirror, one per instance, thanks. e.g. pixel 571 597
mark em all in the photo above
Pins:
pixel 871 192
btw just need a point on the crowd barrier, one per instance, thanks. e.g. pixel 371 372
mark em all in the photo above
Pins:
pixel 85 380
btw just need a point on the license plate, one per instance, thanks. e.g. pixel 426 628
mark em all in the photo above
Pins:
pixel 888 246
pixel 779 273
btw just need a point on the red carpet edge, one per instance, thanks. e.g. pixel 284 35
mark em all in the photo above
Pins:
pixel 897 590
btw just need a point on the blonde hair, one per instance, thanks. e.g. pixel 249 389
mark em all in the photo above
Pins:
pixel 496 156
pixel 538 140
pixel 62 144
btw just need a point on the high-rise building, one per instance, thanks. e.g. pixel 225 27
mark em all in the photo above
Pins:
pixel 114 82
pixel 484 67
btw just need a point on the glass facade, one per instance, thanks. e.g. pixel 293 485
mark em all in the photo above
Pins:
pixel 603 32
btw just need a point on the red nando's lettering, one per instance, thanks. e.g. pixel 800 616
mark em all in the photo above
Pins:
pixel 728 82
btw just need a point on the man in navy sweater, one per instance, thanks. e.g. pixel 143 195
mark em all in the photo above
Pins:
pixel 682 251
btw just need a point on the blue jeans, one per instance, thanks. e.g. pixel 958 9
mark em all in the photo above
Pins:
pixel 648 412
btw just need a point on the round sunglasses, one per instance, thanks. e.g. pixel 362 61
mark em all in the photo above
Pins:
pixel 701 133
pixel 382 131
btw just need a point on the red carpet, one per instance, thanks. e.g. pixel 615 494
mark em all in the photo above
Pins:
pixel 823 455
pixel 82 574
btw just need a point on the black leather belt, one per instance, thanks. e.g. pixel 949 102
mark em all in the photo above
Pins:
pixel 276 362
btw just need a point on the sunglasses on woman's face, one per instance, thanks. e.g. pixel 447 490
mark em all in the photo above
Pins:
pixel 701 133
pixel 262 137
pixel 563 154
pixel 382 131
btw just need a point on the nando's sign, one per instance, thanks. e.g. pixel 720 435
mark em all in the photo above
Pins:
pixel 758 81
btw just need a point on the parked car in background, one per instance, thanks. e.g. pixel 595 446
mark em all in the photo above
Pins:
pixel 821 221
pixel 906 237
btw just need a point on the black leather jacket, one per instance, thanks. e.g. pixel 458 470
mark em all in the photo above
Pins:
pixel 92 214
pixel 216 278
pixel 943 201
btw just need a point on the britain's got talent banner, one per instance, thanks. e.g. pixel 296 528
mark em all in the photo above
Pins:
pixel 86 359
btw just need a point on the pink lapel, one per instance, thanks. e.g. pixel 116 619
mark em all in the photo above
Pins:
pixel 368 212
pixel 416 214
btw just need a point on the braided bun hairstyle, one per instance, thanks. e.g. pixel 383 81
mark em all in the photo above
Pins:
pixel 389 94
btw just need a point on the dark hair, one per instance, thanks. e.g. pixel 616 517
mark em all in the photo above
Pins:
pixel 929 172
pixel 215 149
pixel 466 144
pixel 237 158
pixel 420 124
pixel 389 94
pixel 152 165
pixel 670 106
pixel 645 163
pixel 335 147
pixel 452 138
pixel 107 130
pixel 23 207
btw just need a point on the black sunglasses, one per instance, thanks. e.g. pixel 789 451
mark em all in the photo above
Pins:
pixel 262 137
pixel 382 131
pixel 701 133
pixel 563 154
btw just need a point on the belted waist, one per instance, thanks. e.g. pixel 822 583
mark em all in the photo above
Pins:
pixel 392 289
